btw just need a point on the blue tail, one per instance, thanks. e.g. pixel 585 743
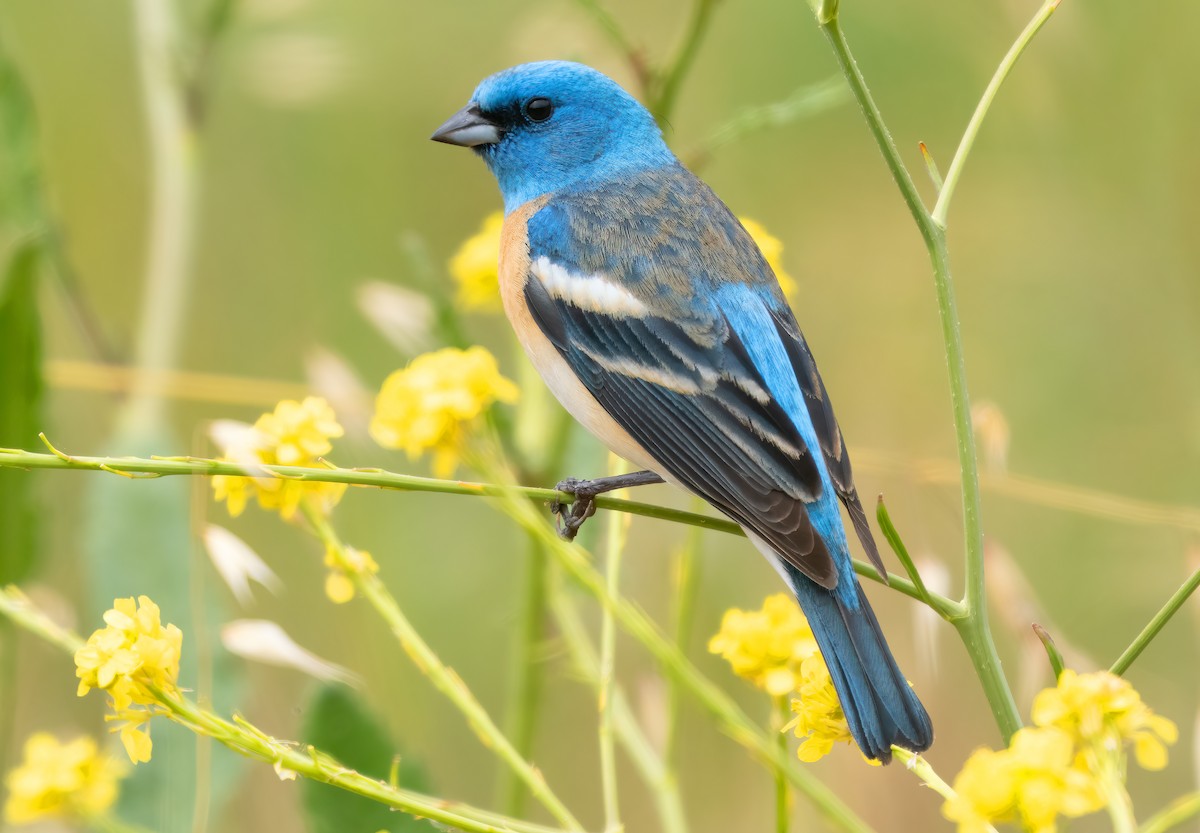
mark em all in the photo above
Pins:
pixel 880 706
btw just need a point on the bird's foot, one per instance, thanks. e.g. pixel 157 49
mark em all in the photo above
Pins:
pixel 571 516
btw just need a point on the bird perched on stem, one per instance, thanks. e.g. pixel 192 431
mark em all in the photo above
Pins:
pixel 656 321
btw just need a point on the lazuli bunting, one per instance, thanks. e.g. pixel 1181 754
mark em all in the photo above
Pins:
pixel 656 321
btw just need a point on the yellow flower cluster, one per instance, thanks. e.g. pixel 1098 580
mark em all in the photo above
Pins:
pixel 819 719
pixel 772 249
pixel 134 654
pixel 294 434
pixel 768 647
pixel 428 405
pixel 58 780
pixel 339 583
pixel 475 266
pixel 1105 712
pixel 774 648
pixel 1034 780
pixel 1065 763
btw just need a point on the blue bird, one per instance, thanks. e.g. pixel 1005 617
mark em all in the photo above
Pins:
pixel 657 323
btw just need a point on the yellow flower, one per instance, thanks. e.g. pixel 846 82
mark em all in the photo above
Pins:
pixel 429 405
pixel 819 719
pixel 1038 778
pixel 58 779
pixel 767 646
pixel 339 584
pixel 772 249
pixel 129 658
pixel 1103 711
pixel 475 266
pixel 294 434
pixel 775 649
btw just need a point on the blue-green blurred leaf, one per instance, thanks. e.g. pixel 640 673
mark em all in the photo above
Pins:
pixel 20 407
pixel 139 541
pixel 340 724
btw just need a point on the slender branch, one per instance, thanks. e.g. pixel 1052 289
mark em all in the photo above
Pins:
pixel 525 691
pixel 920 767
pixel 974 628
pixel 443 678
pixel 735 722
pixel 1184 808
pixel 663 104
pixel 1156 624
pixel 650 765
pixel 686 580
pixel 621 42
pixel 242 738
pixel 170 234
pixel 618 527
pixel 780 714
pixel 380 479
pixel 954 172
pixel 883 137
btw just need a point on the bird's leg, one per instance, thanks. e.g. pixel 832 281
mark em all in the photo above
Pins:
pixel 572 515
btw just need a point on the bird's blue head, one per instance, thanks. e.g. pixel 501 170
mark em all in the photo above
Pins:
pixel 552 125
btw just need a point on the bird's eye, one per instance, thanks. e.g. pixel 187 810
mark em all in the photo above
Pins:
pixel 539 108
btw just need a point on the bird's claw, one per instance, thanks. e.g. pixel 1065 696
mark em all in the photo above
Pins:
pixel 570 517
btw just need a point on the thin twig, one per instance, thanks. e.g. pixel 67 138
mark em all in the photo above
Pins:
pixel 381 479
pixel 442 677
pixel 1156 624
pixel 954 172
pixel 618 527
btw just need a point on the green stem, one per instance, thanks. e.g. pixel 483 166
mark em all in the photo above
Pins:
pixel 974 628
pixel 663 104
pixel 380 479
pixel 654 771
pixel 954 172
pixel 526 686
pixel 920 767
pixel 17 608
pixel 975 635
pixel 735 722
pixel 443 678
pixel 686 586
pixel 1110 774
pixel 1184 808
pixel 1156 624
pixel 780 714
pixel 883 138
pixel 170 235
pixel 307 761
pixel 618 525
pixel 245 739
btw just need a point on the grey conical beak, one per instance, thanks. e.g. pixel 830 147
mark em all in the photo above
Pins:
pixel 468 128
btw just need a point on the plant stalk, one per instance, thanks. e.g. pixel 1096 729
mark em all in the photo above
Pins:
pixel 443 678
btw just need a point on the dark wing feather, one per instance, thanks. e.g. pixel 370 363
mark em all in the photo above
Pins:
pixel 829 434
pixel 700 409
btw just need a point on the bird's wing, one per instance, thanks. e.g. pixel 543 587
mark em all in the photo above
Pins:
pixel 695 379
pixel 829 433
pixel 701 410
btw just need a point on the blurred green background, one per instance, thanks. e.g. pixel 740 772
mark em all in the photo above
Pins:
pixel 1073 240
